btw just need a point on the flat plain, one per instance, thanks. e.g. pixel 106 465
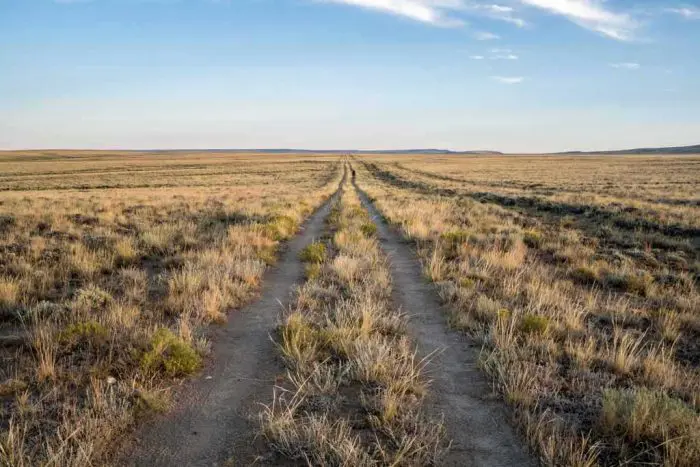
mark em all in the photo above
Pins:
pixel 572 279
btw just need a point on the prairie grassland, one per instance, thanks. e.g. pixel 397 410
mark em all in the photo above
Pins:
pixel 111 265
pixel 355 386
pixel 580 277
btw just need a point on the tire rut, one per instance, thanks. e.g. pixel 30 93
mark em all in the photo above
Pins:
pixel 211 422
pixel 475 420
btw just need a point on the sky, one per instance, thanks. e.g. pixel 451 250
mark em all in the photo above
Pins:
pixel 509 75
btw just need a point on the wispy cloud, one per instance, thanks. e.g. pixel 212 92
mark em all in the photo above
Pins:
pixel 504 57
pixel 498 12
pixel 591 14
pixel 485 36
pixel 477 57
pixel 626 65
pixel 687 12
pixel 435 12
pixel 508 79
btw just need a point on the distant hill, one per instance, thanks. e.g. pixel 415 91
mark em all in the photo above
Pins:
pixel 667 150
pixel 351 151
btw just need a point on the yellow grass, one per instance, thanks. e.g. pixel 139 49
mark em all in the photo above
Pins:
pixel 580 277
pixel 112 266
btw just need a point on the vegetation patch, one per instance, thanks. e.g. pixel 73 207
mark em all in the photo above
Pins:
pixel 171 355
pixel 314 253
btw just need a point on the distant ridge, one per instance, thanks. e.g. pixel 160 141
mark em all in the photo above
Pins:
pixel 330 151
pixel 695 149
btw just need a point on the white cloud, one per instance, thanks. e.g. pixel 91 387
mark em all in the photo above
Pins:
pixel 436 12
pixel 590 14
pixel 485 36
pixel 476 57
pixel 687 12
pixel 509 79
pixel 626 65
pixel 498 12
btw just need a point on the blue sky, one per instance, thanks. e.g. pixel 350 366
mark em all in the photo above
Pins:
pixel 511 75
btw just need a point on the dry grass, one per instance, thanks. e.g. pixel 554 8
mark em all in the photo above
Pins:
pixel 580 277
pixel 355 386
pixel 111 266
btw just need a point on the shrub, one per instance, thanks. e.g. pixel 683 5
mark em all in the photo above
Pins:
pixel 369 229
pixel 91 300
pixel 170 354
pixel 534 324
pixel 89 333
pixel 314 253
pixel 281 227
pixel 455 237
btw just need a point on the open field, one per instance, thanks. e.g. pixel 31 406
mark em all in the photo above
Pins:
pixel 580 277
pixel 241 308
pixel 110 266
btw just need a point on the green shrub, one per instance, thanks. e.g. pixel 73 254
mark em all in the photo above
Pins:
pixel 86 332
pixel 281 227
pixel 314 253
pixel 534 324
pixel 455 237
pixel 170 355
pixel 369 229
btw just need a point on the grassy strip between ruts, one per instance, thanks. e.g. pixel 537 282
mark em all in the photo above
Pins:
pixel 354 388
pixel 595 374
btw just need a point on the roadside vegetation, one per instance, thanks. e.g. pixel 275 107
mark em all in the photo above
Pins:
pixel 354 388
pixel 111 266
pixel 579 276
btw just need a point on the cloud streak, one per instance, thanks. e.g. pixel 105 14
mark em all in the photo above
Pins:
pixel 508 79
pixel 687 12
pixel 626 66
pixel 435 12
pixel 592 15
pixel 485 36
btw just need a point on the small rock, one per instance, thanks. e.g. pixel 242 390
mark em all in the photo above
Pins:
pixel 208 377
pixel 111 380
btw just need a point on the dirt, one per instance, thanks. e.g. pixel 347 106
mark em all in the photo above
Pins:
pixel 213 418
pixel 475 419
